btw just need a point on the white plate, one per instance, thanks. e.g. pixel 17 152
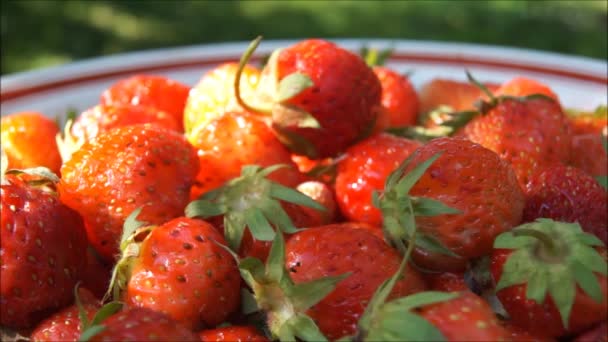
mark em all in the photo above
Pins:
pixel 579 82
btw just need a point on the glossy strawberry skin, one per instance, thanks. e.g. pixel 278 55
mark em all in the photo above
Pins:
pixel 124 169
pixel 399 98
pixel 336 249
pixel 446 281
pixel 233 333
pixel 65 325
pixel 518 334
pixel 183 272
pixel 42 244
pixel 483 188
pixel 523 86
pixel 364 170
pixel 544 319
pixel 528 134
pixel 28 139
pixel 596 334
pixel 214 95
pixel 458 95
pixel 234 140
pixel 465 318
pixel 344 98
pixel 142 324
pixel 589 154
pixel 567 194
pixel 153 91
pixel 102 118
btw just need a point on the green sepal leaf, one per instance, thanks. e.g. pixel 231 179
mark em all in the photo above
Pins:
pixel 293 85
pixel 407 182
pixel 204 209
pixel 106 311
pixel 431 244
pixel 420 299
pixel 131 225
pixel 276 215
pixel 507 240
pixel 590 239
pixel 275 264
pixel 419 133
pixel 587 281
pixel 306 295
pixel 429 207
pixel 563 296
pixel 91 332
pixel 537 286
pixel 515 270
pixel 398 325
pixel 602 180
pixel 234 229
pixel 82 314
pixel 480 85
pixel 296 143
pixel 252 270
pixel 290 195
pixel 248 303
pixel 258 225
pixel 305 328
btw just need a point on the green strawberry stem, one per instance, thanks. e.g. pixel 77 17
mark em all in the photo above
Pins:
pixel 548 249
pixel 237 80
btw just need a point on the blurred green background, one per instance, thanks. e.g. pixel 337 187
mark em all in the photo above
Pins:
pixel 42 33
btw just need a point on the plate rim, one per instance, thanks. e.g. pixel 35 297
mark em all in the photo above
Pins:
pixel 16 85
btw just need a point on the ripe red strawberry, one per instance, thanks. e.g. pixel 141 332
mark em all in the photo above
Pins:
pixel 142 324
pixel 233 333
pixel 96 275
pixel 214 95
pixel 522 86
pixel 518 334
pixel 564 193
pixel 101 118
pixel 484 189
pixel 590 122
pixel 550 279
pixel 364 169
pixel 465 318
pixel 324 195
pixel 159 92
pixel 340 249
pixel 322 97
pixel 589 154
pixel 65 325
pixel 457 95
pixel 528 133
pixel 42 247
pixel 124 169
pixel 596 334
pixel 232 141
pixel 399 98
pixel 28 140
pixel 182 271
pixel 446 281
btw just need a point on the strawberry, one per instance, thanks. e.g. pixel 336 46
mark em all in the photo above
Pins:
pixel 564 193
pixel 183 271
pixel 28 140
pixel 250 208
pixel 322 194
pixel 457 95
pixel 233 334
pixel 154 91
pixel 465 318
pixel 338 249
pixel 527 132
pixel 214 95
pixel 101 118
pixel 523 86
pixel 399 98
pixel 482 190
pixel 66 325
pixel 446 281
pixel 518 334
pixel 589 154
pixel 596 334
pixel 364 169
pixel 42 247
pixel 322 98
pixel 123 169
pixel 97 273
pixel 232 141
pixel 595 122
pixel 142 324
pixel 550 278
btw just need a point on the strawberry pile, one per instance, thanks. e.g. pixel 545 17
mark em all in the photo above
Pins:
pixel 318 197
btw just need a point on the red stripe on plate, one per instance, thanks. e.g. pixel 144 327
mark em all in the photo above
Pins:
pixel 404 57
